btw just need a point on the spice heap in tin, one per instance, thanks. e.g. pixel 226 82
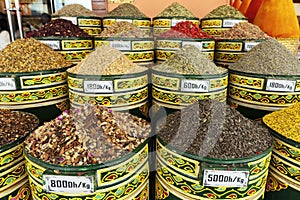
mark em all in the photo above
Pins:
pixel 176 10
pixel 15 125
pixel 106 60
pixel 189 60
pixel 286 122
pixel 268 57
pixel 126 10
pixel 29 55
pixel 74 10
pixel 91 134
pixel 213 129
pixel 224 11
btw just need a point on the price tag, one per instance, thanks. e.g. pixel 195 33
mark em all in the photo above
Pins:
pixel 188 85
pixel 250 45
pixel 53 44
pixel 228 23
pixel 224 178
pixel 69 184
pixel 7 84
pixel 121 45
pixel 196 44
pixel 98 87
pixel 72 19
pixel 176 21
pixel 124 20
pixel 280 85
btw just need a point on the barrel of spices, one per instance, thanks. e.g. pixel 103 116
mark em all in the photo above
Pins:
pixel 170 16
pixel 89 152
pixel 187 77
pixel 65 38
pixel 14 128
pixel 284 179
pixel 235 42
pixel 79 15
pixel 208 150
pixel 221 19
pixel 183 33
pixel 129 13
pixel 131 40
pixel 107 77
pixel 264 80
pixel 33 79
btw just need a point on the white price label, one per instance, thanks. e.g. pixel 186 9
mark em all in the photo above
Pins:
pixel 53 44
pixel 196 44
pixel 250 45
pixel 7 84
pixel 176 21
pixel 228 23
pixel 124 20
pixel 280 85
pixel 219 178
pixel 121 45
pixel 72 19
pixel 98 87
pixel 69 184
pixel 195 85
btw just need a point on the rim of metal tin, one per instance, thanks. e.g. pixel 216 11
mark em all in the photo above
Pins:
pixel 176 18
pixel 42 72
pixel 261 75
pixel 222 18
pixel 78 17
pixel 215 160
pixel 185 39
pixel 239 40
pixel 68 168
pixel 64 38
pixel 200 76
pixel 123 39
pixel 127 17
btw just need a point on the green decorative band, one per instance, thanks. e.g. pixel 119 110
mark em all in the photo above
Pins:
pixel 107 21
pixel 220 22
pixel 130 44
pixel 89 22
pixel 229 57
pixel 92 30
pixel 28 82
pixel 9 157
pixel 175 44
pixel 164 55
pixel 33 96
pixel 68 45
pixel 12 176
pixel 122 171
pixel 170 22
pixel 19 191
pixel 246 82
pixel 215 31
pixel 110 100
pixel 144 56
pixel 269 100
pixel 235 45
pixel 144 193
pixel 181 98
pixel 275 183
pixel 75 56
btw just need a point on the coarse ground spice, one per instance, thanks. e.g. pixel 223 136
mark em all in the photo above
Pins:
pixel 224 11
pixel 213 129
pixel 189 60
pixel 268 57
pixel 29 55
pixel 15 125
pixel 106 60
pixel 124 30
pixel 74 10
pixel 176 10
pixel 91 134
pixel 126 10
pixel 244 30
pixel 286 122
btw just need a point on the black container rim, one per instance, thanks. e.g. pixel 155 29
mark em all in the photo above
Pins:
pixel 249 74
pixel 185 39
pixel 63 38
pixel 222 18
pixel 218 161
pixel 176 18
pixel 123 39
pixel 127 17
pixel 78 17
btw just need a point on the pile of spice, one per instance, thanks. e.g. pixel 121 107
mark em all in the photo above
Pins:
pixel 126 10
pixel 28 55
pixel 268 57
pixel 91 134
pixel 124 30
pixel 59 28
pixel 244 30
pixel 213 129
pixel 74 10
pixel 185 29
pixel 189 60
pixel 224 11
pixel 106 60
pixel 286 122
pixel 15 125
pixel 176 10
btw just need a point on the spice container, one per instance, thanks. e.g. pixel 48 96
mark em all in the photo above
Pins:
pixel 283 179
pixel 187 77
pixel 109 78
pixel 15 127
pixel 34 79
pixel 264 80
pixel 170 16
pixel 82 17
pixel 221 155
pixel 235 42
pixel 88 153
pixel 129 13
pixel 221 19
pixel 130 40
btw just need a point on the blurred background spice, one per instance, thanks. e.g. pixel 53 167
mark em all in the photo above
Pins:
pixel 126 10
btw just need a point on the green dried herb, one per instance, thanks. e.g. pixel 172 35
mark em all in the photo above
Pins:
pixel 225 11
pixel 126 10
pixel 176 10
